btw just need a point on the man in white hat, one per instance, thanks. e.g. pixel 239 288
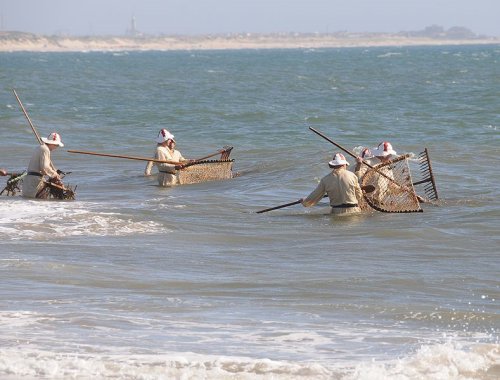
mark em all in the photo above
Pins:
pixel 384 152
pixel 341 186
pixel 366 156
pixel 166 151
pixel 379 155
pixel 159 140
pixel 3 172
pixel 41 165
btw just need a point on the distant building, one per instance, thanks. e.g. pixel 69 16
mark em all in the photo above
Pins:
pixel 438 32
pixel 459 32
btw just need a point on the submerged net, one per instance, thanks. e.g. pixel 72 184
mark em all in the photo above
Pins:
pixel 204 171
pixel 394 190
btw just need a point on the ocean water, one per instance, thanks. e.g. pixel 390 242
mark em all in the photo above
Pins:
pixel 134 281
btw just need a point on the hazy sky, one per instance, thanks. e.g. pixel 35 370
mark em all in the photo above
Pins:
pixel 112 17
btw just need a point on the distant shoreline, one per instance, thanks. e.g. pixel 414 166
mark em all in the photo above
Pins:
pixel 18 41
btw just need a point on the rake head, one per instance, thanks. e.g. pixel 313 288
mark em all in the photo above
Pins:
pixel 226 152
pixel 427 175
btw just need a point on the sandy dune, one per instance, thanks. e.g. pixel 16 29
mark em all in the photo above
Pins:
pixel 16 41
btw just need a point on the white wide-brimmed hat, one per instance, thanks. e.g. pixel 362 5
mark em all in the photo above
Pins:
pixel 384 149
pixel 164 135
pixel 338 160
pixel 53 139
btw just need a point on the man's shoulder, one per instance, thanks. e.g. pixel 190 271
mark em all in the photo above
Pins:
pixel 162 150
pixel 348 174
pixel 328 176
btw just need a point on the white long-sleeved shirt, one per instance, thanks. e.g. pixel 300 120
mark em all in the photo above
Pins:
pixel 341 186
pixel 41 163
pixel 167 173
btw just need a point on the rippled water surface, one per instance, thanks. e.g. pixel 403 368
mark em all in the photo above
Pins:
pixel 136 281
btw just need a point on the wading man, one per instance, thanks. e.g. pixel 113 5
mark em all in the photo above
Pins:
pixel 166 151
pixel 41 165
pixel 341 186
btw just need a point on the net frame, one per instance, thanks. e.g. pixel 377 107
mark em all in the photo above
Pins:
pixel 394 191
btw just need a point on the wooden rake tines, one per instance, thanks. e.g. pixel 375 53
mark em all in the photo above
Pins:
pixel 428 176
pixel 226 152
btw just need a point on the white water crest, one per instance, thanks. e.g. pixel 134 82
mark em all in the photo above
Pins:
pixel 46 220
pixel 443 361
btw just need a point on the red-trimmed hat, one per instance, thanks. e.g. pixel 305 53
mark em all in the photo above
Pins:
pixel 384 149
pixel 54 139
pixel 163 136
pixel 338 160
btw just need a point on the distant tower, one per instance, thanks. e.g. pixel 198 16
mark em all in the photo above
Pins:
pixel 132 31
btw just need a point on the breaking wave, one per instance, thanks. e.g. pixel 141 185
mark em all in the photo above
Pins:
pixel 40 220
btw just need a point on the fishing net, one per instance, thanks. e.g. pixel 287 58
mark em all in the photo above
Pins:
pixel 14 183
pixel 394 190
pixel 204 171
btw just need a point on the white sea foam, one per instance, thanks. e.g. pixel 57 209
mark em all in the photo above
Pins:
pixel 27 359
pixel 32 364
pixel 441 361
pixel 30 219
pixel 386 55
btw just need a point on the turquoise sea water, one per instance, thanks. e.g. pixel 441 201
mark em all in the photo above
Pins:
pixel 135 281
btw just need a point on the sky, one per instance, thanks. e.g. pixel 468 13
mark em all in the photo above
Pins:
pixel 195 17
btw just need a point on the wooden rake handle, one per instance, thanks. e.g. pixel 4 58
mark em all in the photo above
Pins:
pixel 125 157
pixel 280 206
pixel 28 118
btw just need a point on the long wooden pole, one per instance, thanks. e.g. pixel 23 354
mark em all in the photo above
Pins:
pixel 27 117
pixel 126 157
pixel 278 207
pixel 210 155
pixel 220 151
pixel 338 146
